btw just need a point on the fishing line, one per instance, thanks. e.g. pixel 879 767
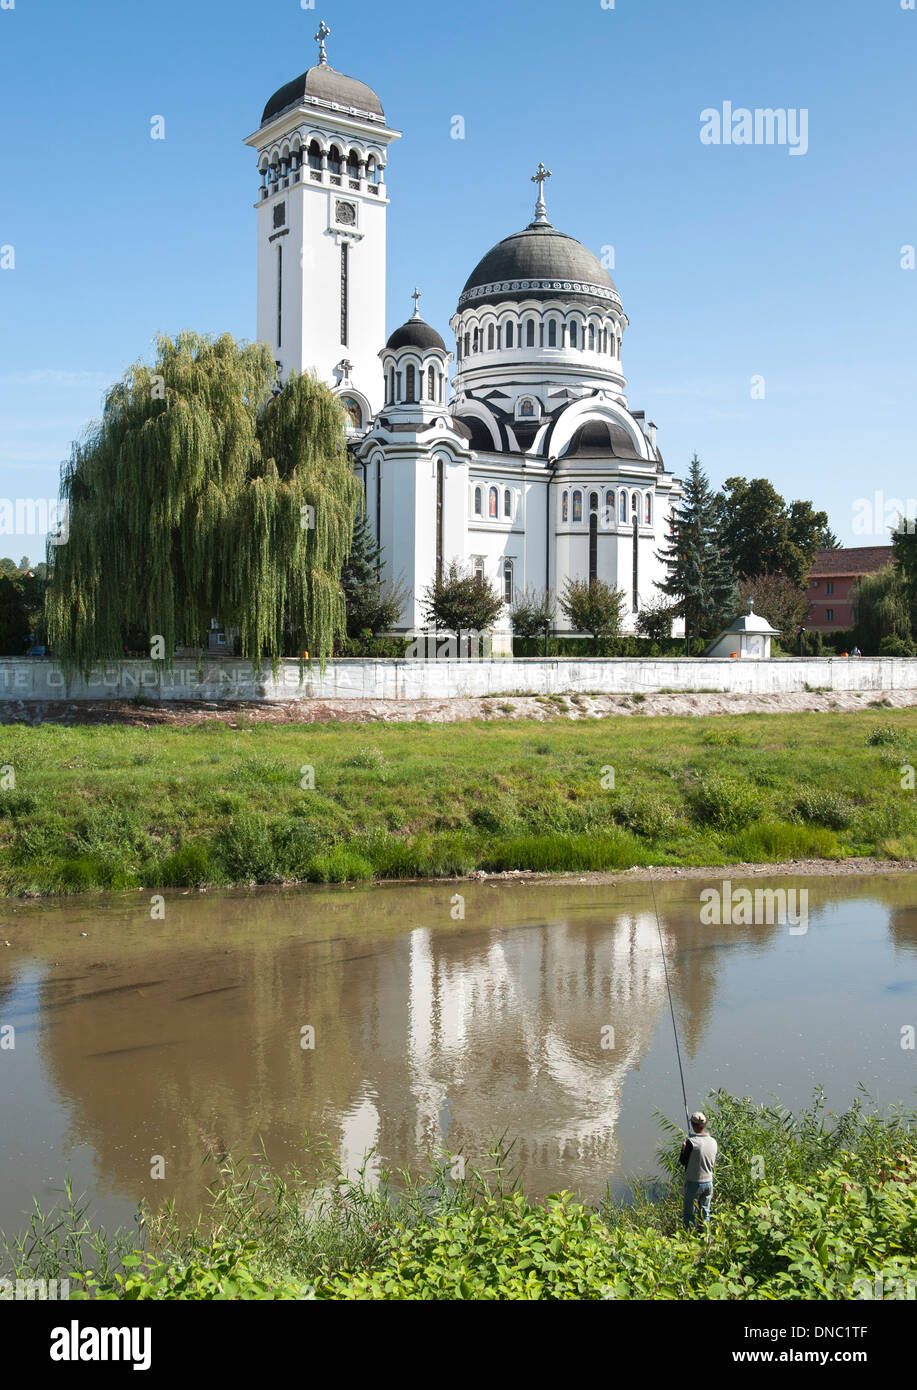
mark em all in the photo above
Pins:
pixel 671 1005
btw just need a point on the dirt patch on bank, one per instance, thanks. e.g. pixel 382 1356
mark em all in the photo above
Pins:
pixel 494 708
pixel 788 868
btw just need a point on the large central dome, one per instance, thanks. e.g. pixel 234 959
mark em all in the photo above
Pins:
pixel 539 263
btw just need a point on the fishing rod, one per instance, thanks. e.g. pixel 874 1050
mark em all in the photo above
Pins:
pixel 668 987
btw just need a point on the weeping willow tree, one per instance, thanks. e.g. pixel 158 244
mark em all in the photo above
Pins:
pixel 202 495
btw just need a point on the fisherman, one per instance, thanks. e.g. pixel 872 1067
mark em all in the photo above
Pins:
pixel 697 1157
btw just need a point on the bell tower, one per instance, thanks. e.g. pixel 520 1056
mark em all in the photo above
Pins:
pixel 322 151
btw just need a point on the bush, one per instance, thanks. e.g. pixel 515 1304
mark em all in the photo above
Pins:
pixel 825 807
pixel 724 804
pixel 885 735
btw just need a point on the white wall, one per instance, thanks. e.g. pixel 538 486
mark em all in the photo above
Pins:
pixel 27 679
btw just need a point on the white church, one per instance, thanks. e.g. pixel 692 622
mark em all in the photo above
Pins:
pixel 529 467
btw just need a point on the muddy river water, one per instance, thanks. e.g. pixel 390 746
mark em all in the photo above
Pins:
pixel 144 1044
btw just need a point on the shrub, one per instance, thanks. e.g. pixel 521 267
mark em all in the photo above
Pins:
pixel 339 865
pixel 884 735
pixel 190 866
pixel 725 804
pixel 825 807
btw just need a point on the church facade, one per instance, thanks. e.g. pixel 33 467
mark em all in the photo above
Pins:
pixel 530 468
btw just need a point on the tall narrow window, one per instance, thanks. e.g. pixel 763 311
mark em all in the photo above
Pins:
pixel 478 502
pixel 507 502
pixel 565 507
pixel 476 341
pixel 279 293
pixel 592 337
pixel 507 581
pixel 636 574
pixel 622 507
pixel 490 337
pixel 345 248
pixel 479 569
pixel 410 389
pixel 552 333
pixel 577 505
pixel 608 515
pixel 648 515
pixel 593 546
pixel 574 336
pixel 431 383
pixel 635 506
pixel 439 519
pixel 492 503
pixel 509 335
pixel 530 333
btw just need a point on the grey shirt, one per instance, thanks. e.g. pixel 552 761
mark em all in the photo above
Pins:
pixel 702 1158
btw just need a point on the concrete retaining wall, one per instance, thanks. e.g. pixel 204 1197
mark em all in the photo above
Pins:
pixel 41 680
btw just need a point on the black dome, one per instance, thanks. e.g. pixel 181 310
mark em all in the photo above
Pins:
pixel 538 263
pixel 416 333
pixel 326 84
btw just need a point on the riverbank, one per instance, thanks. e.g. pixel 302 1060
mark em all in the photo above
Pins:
pixel 207 804
pixel 812 1206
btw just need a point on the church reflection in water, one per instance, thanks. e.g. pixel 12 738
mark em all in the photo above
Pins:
pixel 528 1019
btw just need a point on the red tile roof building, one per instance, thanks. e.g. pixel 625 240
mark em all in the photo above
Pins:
pixel 832 579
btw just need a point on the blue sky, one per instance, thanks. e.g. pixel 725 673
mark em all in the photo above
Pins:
pixel 732 262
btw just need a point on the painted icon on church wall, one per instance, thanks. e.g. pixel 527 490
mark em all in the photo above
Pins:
pixel 492 503
pixel 354 411
pixel 527 410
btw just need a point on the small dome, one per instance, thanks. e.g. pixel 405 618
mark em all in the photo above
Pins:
pixel 417 334
pixel 324 83
pixel 538 263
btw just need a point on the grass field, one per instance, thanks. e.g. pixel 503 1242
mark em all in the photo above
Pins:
pixel 121 807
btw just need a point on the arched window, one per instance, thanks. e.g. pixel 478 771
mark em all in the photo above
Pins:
pixel 552 333
pixel 467 343
pixel 476 340
pixel 507 502
pixel 565 507
pixel 648 513
pixel 410 385
pixel 530 333
pixel 479 569
pixel 615 346
pixel 507 581
pixel 509 335
pixel 490 337
pixel 353 165
pixel 372 170
pixel 592 337
pixel 622 507
pixel 593 501
pixel 574 335
pixel 635 506
pixel 315 155
pixel 390 391
pixel 577 505
pixel 609 514
pixel 493 503
pixel 334 160
pixel 478 502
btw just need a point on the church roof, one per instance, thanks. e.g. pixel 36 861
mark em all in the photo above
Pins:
pixel 324 84
pixel 416 333
pixel 538 263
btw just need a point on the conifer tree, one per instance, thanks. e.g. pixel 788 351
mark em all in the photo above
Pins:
pixel 701 581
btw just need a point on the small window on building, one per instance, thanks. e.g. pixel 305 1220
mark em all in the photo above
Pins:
pixel 829 587
pixel 635 506
pixel 609 508
pixel 577 505
pixel 431 383
pixel 565 507
pixel 478 502
pixel 530 333
pixel 509 335
pixel 507 502
pixel 493 503
pixel 476 341
pixel 592 337
pixel 507 581
pixel 593 501
pixel 410 385
pixel 479 569
pixel 315 155
pixel 648 512
pixel 829 615
pixel 490 337
pixel 334 160
pixel 552 333
pixel 574 335
pixel 622 507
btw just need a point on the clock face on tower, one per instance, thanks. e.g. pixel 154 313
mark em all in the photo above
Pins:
pixel 346 214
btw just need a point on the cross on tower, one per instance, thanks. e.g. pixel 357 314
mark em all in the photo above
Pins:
pixel 541 212
pixel 320 37
pixel 416 298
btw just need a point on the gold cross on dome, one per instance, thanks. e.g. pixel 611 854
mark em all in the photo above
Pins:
pixel 320 37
